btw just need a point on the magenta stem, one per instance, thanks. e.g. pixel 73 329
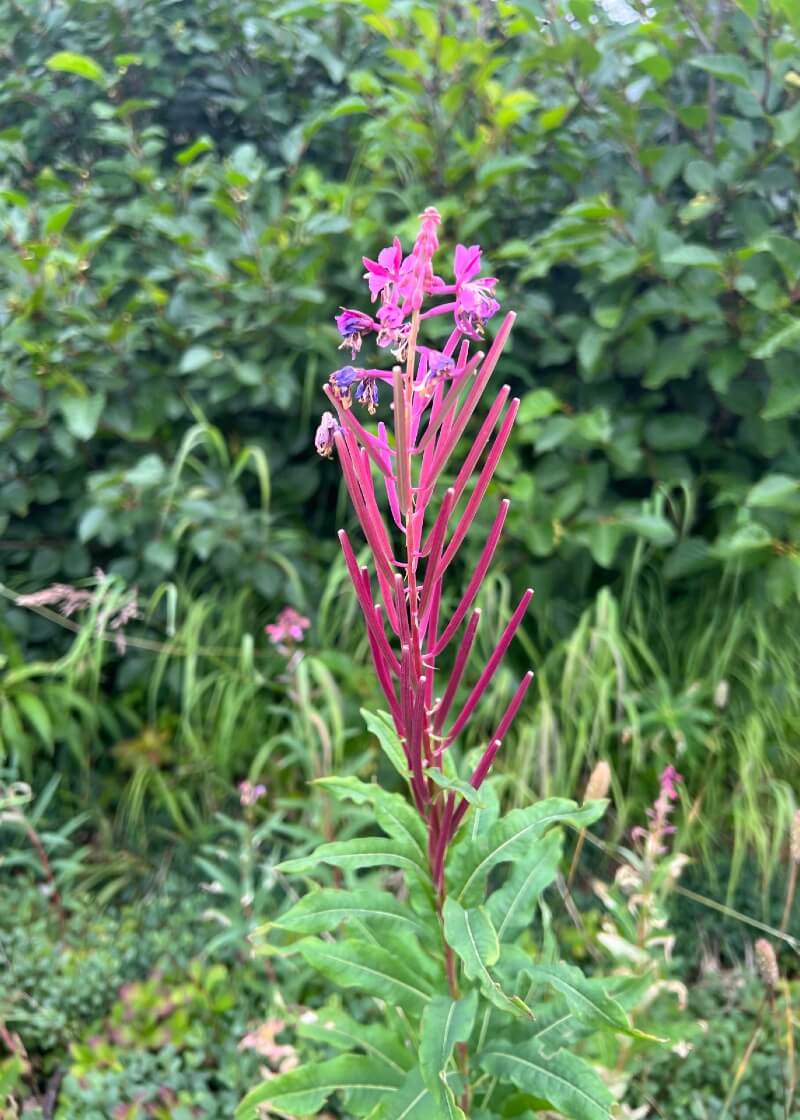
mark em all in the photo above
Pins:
pixel 477 692
pixel 477 578
pixel 458 671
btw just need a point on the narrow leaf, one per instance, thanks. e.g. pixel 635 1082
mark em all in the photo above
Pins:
pixel 510 907
pixel 324 910
pixel 379 972
pixel 304 1091
pixel 561 1079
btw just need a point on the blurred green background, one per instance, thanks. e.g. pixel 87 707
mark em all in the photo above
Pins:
pixel 186 190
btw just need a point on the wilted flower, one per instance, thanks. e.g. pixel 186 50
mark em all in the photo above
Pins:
pixel 367 394
pixel 287 629
pixel 342 381
pixel 324 437
pixel 352 326
pixel 794 841
pixel 599 782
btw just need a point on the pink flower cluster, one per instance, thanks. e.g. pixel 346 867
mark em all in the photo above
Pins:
pixel 658 815
pixel 435 394
pixel 287 629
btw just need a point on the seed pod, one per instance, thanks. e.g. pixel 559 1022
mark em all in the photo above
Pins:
pixel 767 963
pixel 794 843
pixel 721 694
pixel 599 782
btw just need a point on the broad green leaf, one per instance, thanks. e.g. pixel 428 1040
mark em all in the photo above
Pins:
pixel 511 907
pixel 304 1091
pixel 537 405
pixel 787 126
pixel 652 526
pixel 510 839
pixel 586 998
pixel 378 972
pixel 787 336
pixel 82 414
pixel 473 937
pixel 365 851
pixel 324 910
pixel 196 357
pixel 393 813
pixel 729 67
pixel 336 1029
pixel 445 1022
pixel 381 726
pixel 775 491
pixel 561 1079
pixel 68 62
pixel 693 255
pixel 456 785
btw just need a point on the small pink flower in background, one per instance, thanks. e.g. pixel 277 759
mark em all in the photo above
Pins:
pixel 658 814
pixel 287 629
pixel 250 794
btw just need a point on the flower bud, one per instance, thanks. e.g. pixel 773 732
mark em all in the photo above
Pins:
pixel 599 782
pixel 767 963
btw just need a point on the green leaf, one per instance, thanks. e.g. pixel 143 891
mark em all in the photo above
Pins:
pixel 585 998
pixel 82 414
pixel 779 340
pixel 334 1028
pixel 304 1091
pixel 511 907
pixel 675 432
pixel 787 126
pixel 510 839
pixel 775 491
pixel 196 357
pixel 189 154
pixel 604 538
pixel 59 218
pixel 69 63
pixel 365 851
pixel 415 1101
pixel 537 405
pixel 553 118
pixel 324 910
pixel 372 969
pixel 471 934
pixel 37 716
pixel 652 526
pixel 11 1072
pixel 382 727
pixel 393 813
pixel 728 67
pixel 498 167
pixel 561 1079
pixel 444 1023
pixel 468 792
pixel 693 255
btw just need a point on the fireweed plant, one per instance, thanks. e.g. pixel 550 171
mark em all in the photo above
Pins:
pixel 473 1024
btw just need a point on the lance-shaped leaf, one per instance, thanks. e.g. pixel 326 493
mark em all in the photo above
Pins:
pixel 376 971
pixel 336 1029
pixel 508 840
pixel 304 1091
pixel 324 910
pixel 415 1101
pixel 471 934
pixel 561 1079
pixel 381 726
pixel 455 785
pixel 365 851
pixel 510 907
pixel 445 1022
pixel 392 812
pixel 586 998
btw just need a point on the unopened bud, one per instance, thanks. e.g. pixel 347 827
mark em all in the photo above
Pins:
pixel 599 782
pixel 767 963
pixel 721 694
pixel 794 842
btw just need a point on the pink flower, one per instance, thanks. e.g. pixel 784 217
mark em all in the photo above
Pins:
pixel 385 271
pixel 475 301
pixel 250 794
pixel 287 628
